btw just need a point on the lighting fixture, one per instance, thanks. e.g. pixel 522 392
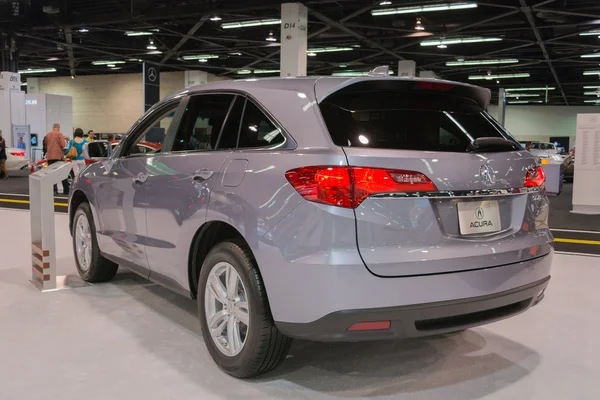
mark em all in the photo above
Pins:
pixel 107 62
pixel 23 83
pixel 592 101
pixel 591 93
pixel 524 101
pixel 342 65
pixel 592 55
pixel 590 33
pixel 83 30
pixel 481 62
pixel 329 49
pixel 266 71
pixel 426 8
pixel 498 76
pixel 442 46
pixel 311 54
pixel 215 18
pixel 151 45
pixel 53 59
pixel 244 72
pixel 419 25
pixel 385 3
pixel 459 41
pixel 522 95
pixel 111 65
pixel 245 24
pixel 523 89
pixel 591 87
pixel 37 71
pixel 203 60
pixel 591 72
pixel 134 33
pixel 235 53
pixel 271 38
pixel 154 52
pixel 355 73
pixel 199 57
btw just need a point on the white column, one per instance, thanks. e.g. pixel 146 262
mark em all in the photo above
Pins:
pixel 10 83
pixel 294 18
pixel 193 78
pixel 33 85
pixel 407 68
pixel 501 106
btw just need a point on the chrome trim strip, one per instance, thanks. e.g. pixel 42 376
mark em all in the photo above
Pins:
pixel 459 193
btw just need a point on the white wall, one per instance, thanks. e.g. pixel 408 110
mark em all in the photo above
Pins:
pixel 541 122
pixel 109 103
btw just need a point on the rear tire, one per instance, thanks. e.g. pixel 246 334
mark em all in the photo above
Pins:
pixel 91 265
pixel 260 346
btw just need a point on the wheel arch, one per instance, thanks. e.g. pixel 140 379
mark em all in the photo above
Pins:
pixel 77 198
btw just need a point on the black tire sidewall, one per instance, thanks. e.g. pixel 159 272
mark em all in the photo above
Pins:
pixel 234 255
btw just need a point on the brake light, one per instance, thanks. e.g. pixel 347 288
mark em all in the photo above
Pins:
pixel 348 186
pixel 535 177
pixel 18 154
pixel 440 86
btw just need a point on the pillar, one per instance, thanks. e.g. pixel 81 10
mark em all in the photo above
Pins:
pixel 294 40
pixel 193 78
pixel 12 105
pixel 501 106
pixel 407 68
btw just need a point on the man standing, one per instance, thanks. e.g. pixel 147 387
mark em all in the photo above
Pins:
pixel 55 146
pixel 90 136
pixel 21 143
pixel 3 157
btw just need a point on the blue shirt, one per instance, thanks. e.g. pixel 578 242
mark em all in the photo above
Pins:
pixel 21 145
pixel 78 147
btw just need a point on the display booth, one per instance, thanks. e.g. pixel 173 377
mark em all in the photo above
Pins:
pixel 586 183
pixel 12 105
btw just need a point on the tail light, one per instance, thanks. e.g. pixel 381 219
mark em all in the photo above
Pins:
pixel 535 177
pixel 18 154
pixel 348 186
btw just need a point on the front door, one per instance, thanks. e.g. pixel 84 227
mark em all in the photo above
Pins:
pixel 122 196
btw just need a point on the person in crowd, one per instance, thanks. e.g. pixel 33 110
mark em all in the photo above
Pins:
pixel 3 157
pixel 78 141
pixel 21 144
pixel 55 152
pixel 90 136
pixel 44 147
pixel 111 137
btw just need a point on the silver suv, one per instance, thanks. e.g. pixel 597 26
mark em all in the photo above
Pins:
pixel 328 209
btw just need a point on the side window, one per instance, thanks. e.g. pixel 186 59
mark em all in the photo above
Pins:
pixel 257 130
pixel 229 135
pixel 202 122
pixel 154 135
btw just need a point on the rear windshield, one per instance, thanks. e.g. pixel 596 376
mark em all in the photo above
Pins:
pixel 542 146
pixel 415 120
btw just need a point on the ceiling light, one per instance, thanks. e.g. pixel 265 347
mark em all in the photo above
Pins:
pixel 342 65
pixel 591 72
pixel 199 57
pixel 266 71
pixel 154 52
pixel 442 46
pixel 591 87
pixel 529 89
pixel 591 101
pixel 83 30
pixel 385 3
pixel 524 101
pixel 215 18
pixel 426 8
pixel 235 53
pixel 53 59
pixel 245 24
pixel 498 76
pixel 271 38
pixel 355 73
pixel 419 25
pixel 132 33
pixel 107 62
pixel 591 93
pixel 203 60
pixel 151 45
pixel 459 41
pixel 481 62
pixel 522 95
pixel 244 72
pixel 111 65
pixel 23 83
pixel 329 49
pixel 311 54
pixel 590 33
pixel 37 71
pixel 593 55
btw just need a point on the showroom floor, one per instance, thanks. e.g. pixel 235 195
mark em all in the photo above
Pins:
pixel 131 339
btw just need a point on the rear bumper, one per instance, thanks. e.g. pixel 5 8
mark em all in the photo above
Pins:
pixel 421 319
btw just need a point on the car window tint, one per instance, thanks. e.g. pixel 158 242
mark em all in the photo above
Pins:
pixel 154 136
pixel 257 130
pixel 202 122
pixel 229 135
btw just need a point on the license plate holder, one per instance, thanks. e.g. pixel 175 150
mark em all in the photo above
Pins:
pixel 476 217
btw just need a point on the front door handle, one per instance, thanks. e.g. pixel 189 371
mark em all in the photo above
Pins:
pixel 140 178
pixel 202 175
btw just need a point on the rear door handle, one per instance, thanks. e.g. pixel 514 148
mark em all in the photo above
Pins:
pixel 140 178
pixel 202 175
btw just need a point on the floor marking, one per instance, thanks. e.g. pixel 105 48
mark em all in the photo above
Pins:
pixel 570 253
pixel 27 202
pixel 577 241
pixel 574 230
pixel 26 195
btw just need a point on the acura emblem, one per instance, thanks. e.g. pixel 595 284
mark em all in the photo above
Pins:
pixel 487 175
pixel 479 213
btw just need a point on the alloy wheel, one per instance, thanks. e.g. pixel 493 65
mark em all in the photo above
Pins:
pixel 83 242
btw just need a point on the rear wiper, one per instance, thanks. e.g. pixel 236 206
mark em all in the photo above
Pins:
pixel 492 144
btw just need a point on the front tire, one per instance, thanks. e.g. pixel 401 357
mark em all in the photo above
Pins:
pixel 235 316
pixel 91 265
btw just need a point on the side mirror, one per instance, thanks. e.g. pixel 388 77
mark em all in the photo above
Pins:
pixel 96 150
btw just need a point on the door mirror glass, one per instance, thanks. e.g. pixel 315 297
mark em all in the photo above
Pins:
pixel 97 150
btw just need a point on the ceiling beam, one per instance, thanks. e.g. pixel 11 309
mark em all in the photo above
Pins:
pixel 184 39
pixel 69 39
pixel 485 21
pixel 574 14
pixel 527 11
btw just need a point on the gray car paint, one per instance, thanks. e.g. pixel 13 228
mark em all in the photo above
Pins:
pixel 308 253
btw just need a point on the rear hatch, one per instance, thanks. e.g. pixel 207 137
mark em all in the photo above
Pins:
pixel 478 214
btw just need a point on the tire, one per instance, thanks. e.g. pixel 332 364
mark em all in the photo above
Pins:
pixel 98 269
pixel 264 347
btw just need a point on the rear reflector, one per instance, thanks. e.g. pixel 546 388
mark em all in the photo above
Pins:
pixel 535 177
pixel 371 326
pixel 348 186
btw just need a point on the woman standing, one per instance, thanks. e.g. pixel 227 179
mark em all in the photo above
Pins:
pixel 76 155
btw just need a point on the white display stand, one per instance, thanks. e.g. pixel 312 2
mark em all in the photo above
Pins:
pixel 586 185
pixel 43 267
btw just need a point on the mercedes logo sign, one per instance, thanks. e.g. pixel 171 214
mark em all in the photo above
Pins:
pixel 487 175
pixel 152 74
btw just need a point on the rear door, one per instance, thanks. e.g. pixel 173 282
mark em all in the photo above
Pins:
pixel 479 214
